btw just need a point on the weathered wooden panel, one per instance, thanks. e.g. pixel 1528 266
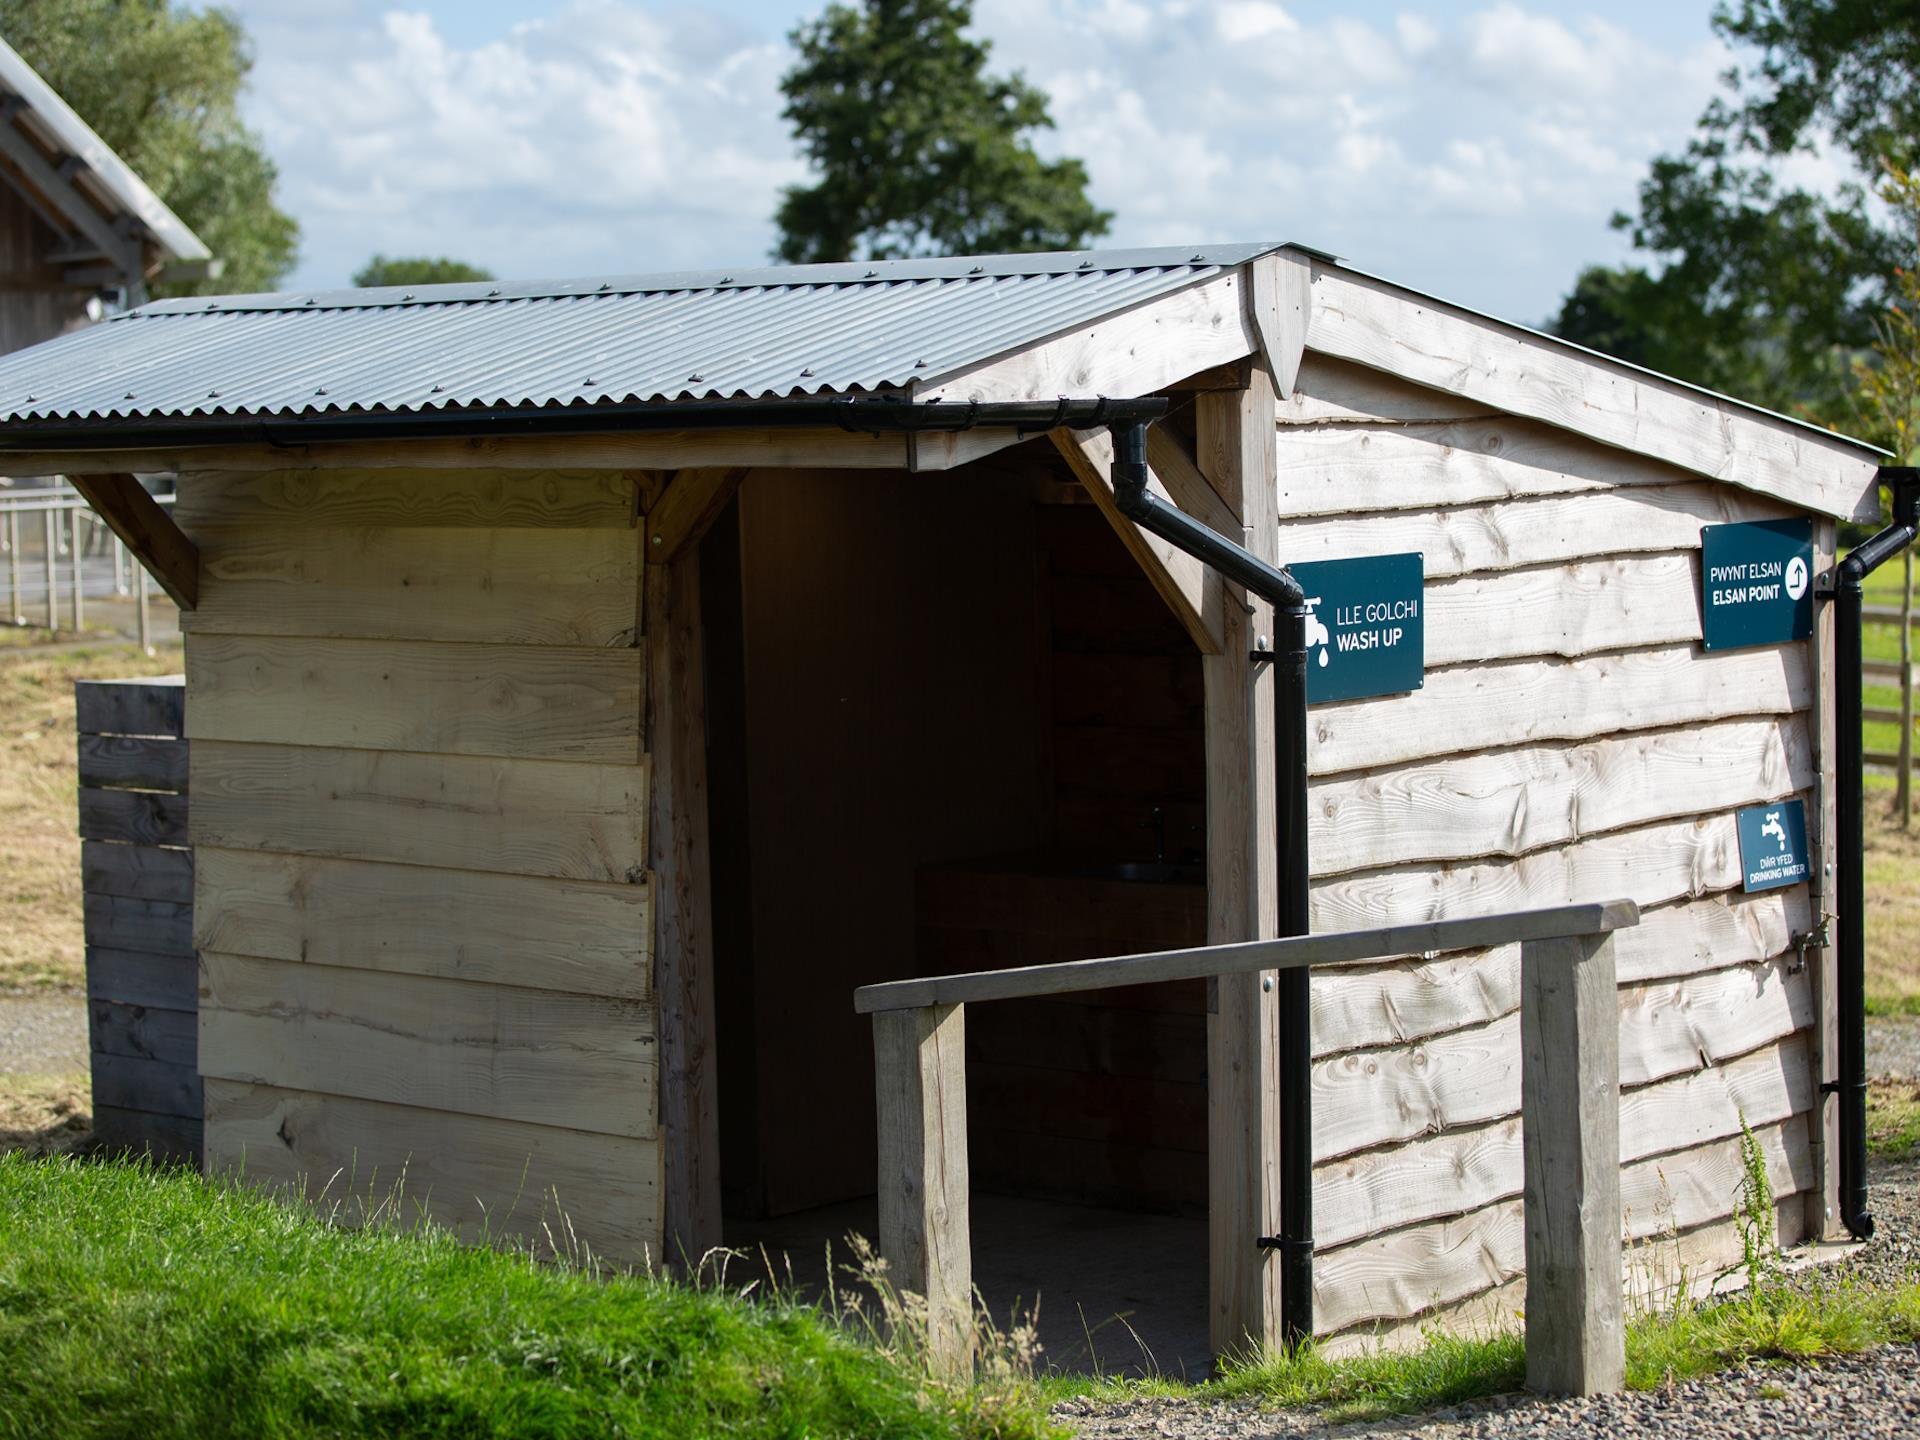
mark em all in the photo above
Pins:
pixel 1710 932
pixel 546 702
pixel 152 706
pixel 133 762
pixel 485 1178
pixel 585 1062
pixel 1459 1171
pixel 1553 529
pixel 1510 802
pixel 1590 606
pixel 167 982
pixel 523 587
pixel 545 934
pixel 1651 864
pixel 143 817
pixel 1346 468
pixel 172 1138
pixel 476 499
pixel 1767 1085
pixel 144 872
pixel 1478 707
pixel 143 1032
pixel 1329 391
pixel 1674 1026
pixel 524 817
pixel 120 922
pixel 1366 1006
pixel 158 1087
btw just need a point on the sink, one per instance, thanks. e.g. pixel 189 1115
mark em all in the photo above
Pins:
pixel 1146 872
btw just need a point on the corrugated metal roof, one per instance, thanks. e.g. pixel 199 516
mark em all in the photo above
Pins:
pixel 70 136
pixel 760 334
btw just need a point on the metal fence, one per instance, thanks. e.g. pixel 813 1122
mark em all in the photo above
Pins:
pixel 57 554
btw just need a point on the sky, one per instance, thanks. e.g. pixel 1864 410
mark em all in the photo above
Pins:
pixel 1474 150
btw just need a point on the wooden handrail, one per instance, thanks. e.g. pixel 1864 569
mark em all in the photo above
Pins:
pixel 1200 962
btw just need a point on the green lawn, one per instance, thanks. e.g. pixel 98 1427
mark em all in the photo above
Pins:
pixel 143 1303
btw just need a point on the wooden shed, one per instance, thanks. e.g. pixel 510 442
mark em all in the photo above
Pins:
pixel 590 685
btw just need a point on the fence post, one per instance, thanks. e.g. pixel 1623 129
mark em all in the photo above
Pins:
pixel 53 585
pixel 76 544
pixel 1570 1129
pixel 14 612
pixel 920 1080
pixel 1903 791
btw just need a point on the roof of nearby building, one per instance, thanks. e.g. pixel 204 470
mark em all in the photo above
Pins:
pixel 80 186
pixel 884 327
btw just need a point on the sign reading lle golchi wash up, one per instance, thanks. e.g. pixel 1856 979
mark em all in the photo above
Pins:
pixel 1756 583
pixel 1773 845
pixel 1365 631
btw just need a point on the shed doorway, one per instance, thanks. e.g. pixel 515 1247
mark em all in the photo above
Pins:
pixel 950 727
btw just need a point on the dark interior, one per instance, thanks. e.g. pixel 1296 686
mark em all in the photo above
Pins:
pixel 950 727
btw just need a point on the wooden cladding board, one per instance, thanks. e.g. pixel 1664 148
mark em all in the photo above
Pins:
pixel 523 817
pixel 468 499
pixel 1479 707
pixel 546 702
pixel 485 1178
pixel 578 1061
pixel 518 587
pixel 1585 607
pixel 549 934
pixel 1510 802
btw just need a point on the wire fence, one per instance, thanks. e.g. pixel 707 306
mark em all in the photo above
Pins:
pixel 58 554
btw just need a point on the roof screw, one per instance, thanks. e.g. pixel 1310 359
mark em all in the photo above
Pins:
pixel 1197 258
pixel 1086 265
pixel 435 390
pixel 921 363
pixel 407 296
pixel 33 397
pixel 309 300
pixel 606 285
pixel 588 381
pixel 870 274
pixel 494 291
pixel 127 396
pixel 319 389
pixel 806 372
pixel 726 279
pixel 213 394
pixel 976 270
pixel 695 379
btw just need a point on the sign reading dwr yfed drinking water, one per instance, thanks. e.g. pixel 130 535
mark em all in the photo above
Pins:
pixel 1365 631
pixel 1756 583
pixel 1773 845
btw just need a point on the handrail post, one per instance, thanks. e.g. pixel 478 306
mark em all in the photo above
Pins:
pixel 1570 1129
pixel 920 1080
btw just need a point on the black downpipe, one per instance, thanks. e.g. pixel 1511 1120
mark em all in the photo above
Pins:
pixel 1289 601
pixel 1850 809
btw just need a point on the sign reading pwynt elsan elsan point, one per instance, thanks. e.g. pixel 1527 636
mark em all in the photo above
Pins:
pixel 1756 583
pixel 1773 845
pixel 1365 631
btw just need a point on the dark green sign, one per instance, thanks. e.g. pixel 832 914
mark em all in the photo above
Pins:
pixel 1773 845
pixel 1365 634
pixel 1756 583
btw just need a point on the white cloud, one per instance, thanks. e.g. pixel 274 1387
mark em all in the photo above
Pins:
pixel 1475 154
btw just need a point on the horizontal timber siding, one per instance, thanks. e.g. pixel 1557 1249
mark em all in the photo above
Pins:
pixel 422 906
pixel 1572 742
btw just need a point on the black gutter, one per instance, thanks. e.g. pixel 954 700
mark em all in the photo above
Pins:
pixel 1289 657
pixel 859 415
pixel 1850 807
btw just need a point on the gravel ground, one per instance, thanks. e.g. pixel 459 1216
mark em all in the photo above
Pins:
pixel 1869 1395
pixel 42 1034
pixel 1893 1047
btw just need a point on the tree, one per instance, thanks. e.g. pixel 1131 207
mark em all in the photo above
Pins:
pixel 161 84
pixel 417 270
pixel 918 149
pixel 1755 288
pixel 1887 396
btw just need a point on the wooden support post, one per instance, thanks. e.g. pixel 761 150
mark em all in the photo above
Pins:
pixel 1823 1201
pixel 1235 452
pixel 148 530
pixel 682 905
pixel 920 1084
pixel 1570 1133
pixel 52 536
pixel 77 552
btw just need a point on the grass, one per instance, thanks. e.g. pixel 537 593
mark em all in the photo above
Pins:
pixel 135 1301
pixel 1893 1119
pixel 41 946
pixel 1892 877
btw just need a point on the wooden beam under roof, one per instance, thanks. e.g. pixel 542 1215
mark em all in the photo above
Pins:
pixel 147 530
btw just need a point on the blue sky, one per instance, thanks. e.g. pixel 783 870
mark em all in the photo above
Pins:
pixel 1472 149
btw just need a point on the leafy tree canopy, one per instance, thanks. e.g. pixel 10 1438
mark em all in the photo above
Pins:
pixel 918 149
pixel 161 84
pixel 1758 289
pixel 417 270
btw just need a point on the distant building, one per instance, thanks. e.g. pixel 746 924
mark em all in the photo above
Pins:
pixel 78 228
